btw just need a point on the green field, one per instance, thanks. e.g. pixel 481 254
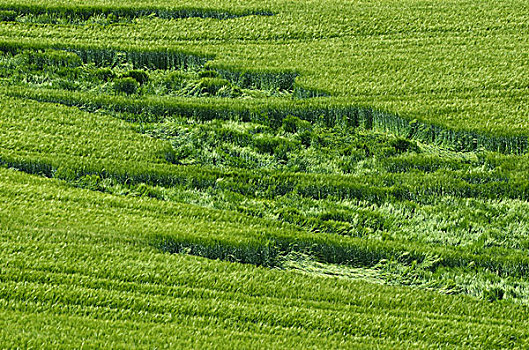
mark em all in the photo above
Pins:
pixel 310 174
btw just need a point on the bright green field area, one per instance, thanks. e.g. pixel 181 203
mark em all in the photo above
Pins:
pixel 309 174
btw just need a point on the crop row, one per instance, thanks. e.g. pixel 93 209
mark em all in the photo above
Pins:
pixel 329 248
pixel 82 14
pixel 376 188
pixel 113 73
pixel 331 112
pixel 150 59
pixel 92 144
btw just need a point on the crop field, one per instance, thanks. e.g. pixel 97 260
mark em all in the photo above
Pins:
pixel 280 174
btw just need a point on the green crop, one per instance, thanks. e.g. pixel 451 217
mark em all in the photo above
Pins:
pixel 310 174
pixel 96 273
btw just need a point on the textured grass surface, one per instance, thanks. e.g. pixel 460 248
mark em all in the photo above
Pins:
pixel 65 283
pixel 225 174
pixel 424 61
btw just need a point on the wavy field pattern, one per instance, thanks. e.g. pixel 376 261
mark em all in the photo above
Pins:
pixel 345 174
